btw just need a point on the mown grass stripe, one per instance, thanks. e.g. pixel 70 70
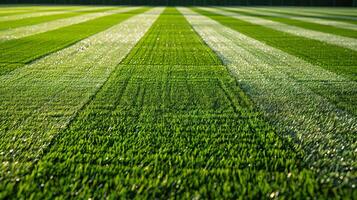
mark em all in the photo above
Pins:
pixel 36 20
pixel 169 122
pixel 313 51
pixel 345 42
pixel 329 22
pixel 326 26
pixel 26 31
pixel 40 13
pixel 40 7
pixel 338 92
pixel 340 14
pixel 13 12
pixel 349 13
pixel 287 89
pixel 346 14
pixel 16 53
pixel 50 91
pixel 311 15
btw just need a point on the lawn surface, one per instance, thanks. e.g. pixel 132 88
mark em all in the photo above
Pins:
pixel 204 103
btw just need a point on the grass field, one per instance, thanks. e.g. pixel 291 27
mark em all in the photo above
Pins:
pixel 186 102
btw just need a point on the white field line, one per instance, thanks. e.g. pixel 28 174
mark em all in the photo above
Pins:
pixel 337 24
pixel 41 98
pixel 25 31
pixel 279 84
pixel 324 37
pixel 42 14
pixel 306 12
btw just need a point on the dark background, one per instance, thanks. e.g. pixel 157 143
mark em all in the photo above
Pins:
pixel 193 2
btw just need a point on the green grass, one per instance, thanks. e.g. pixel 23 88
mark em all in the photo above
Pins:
pixel 18 52
pixel 322 16
pixel 280 85
pixel 313 51
pixel 27 10
pixel 333 13
pixel 36 20
pixel 91 120
pixel 14 13
pixel 302 24
pixel 170 122
pixel 50 92
pixel 344 61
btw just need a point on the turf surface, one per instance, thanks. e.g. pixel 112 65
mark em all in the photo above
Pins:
pixel 52 90
pixel 302 24
pixel 36 20
pixel 313 51
pixel 314 15
pixel 170 121
pixel 16 53
pixel 136 105
pixel 284 87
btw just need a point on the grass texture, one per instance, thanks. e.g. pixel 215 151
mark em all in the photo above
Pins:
pixel 16 53
pixel 167 103
pixel 169 122
pixel 50 91
pixel 313 51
